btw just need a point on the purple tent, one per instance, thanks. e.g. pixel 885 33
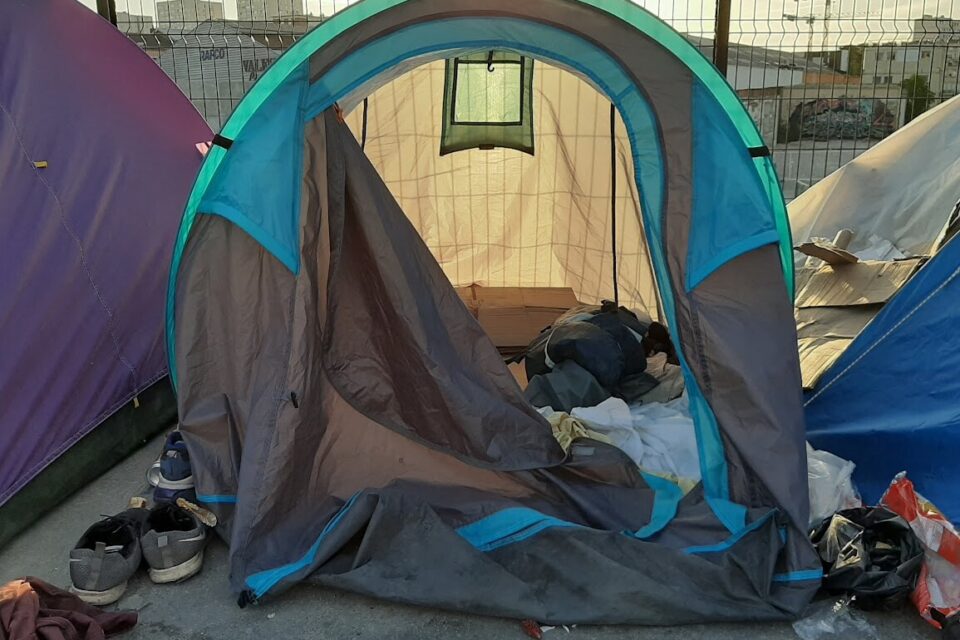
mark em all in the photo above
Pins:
pixel 97 157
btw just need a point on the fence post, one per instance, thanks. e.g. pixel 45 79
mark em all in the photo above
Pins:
pixel 721 41
pixel 108 9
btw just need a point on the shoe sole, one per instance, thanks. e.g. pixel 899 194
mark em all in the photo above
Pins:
pixel 100 598
pixel 153 474
pixel 179 572
pixel 175 485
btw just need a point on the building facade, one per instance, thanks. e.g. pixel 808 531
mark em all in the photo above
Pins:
pixel 134 23
pixel 935 29
pixel 215 65
pixel 936 64
pixel 176 17
pixel 254 10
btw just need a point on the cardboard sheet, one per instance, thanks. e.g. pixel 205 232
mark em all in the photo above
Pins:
pixel 826 251
pixel 824 333
pixel 513 316
pixel 868 282
pixel 834 304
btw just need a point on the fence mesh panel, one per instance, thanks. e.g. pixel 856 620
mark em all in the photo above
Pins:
pixel 823 79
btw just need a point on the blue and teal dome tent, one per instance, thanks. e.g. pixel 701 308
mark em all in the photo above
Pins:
pixel 348 418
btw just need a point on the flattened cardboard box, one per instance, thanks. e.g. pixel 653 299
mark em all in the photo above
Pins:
pixel 835 303
pixel 513 316
pixel 868 282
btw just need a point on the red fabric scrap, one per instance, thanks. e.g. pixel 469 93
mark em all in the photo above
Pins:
pixel 31 609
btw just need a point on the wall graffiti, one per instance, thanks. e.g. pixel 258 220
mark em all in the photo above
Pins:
pixel 841 118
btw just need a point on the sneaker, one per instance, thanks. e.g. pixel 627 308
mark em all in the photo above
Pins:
pixel 106 556
pixel 175 472
pixel 172 468
pixel 172 543
pixel 163 496
pixel 171 473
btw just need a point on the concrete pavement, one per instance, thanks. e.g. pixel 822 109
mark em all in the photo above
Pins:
pixel 203 608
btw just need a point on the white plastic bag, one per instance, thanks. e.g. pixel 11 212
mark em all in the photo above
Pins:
pixel 830 483
pixel 834 620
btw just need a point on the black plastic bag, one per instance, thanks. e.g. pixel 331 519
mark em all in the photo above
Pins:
pixel 870 553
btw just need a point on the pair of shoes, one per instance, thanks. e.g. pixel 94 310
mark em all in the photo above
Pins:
pixel 170 539
pixel 171 473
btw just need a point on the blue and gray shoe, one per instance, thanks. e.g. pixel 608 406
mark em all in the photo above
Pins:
pixel 171 473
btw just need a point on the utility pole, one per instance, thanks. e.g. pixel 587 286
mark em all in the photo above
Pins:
pixel 721 43
pixel 108 9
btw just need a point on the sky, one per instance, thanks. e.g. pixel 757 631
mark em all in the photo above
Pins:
pixel 755 22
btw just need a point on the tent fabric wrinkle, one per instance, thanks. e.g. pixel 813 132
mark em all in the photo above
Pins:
pixel 349 420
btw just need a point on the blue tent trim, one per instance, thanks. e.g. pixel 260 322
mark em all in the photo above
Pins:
pixel 723 181
pixel 508 526
pixel 667 497
pixel 799 576
pixel 263 581
pixel 516 524
pixel 217 499
pixel 734 539
pixel 268 151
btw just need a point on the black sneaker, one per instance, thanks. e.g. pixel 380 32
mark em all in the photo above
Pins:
pixel 172 542
pixel 106 556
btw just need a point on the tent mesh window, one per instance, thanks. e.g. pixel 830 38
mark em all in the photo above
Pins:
pixel 487 102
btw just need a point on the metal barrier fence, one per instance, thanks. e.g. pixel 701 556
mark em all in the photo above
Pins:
pixel 823 79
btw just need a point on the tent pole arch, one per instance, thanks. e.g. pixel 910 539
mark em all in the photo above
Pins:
pixel 630 13
pixel 431 36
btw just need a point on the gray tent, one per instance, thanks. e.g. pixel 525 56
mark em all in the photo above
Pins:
pixel 351 423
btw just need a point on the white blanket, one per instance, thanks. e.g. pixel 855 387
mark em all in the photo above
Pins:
pixel 658 437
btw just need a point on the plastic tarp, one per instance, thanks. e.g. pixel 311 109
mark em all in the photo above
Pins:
pixel 901 190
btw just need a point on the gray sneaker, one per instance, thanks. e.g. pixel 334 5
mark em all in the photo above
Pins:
pixel 172 543
pixel 106 556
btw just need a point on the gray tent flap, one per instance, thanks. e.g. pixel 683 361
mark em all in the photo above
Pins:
pixel 380 431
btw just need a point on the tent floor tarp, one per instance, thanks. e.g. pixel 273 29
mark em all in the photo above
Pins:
pixel 103 448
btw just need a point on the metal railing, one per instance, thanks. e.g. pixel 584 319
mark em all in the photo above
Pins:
pixel 823 79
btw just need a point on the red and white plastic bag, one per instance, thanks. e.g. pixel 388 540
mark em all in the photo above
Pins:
pixel 937 596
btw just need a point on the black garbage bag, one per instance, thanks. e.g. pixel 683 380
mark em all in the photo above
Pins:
pixel 586 344
pixel 870 553
pixel 949 625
